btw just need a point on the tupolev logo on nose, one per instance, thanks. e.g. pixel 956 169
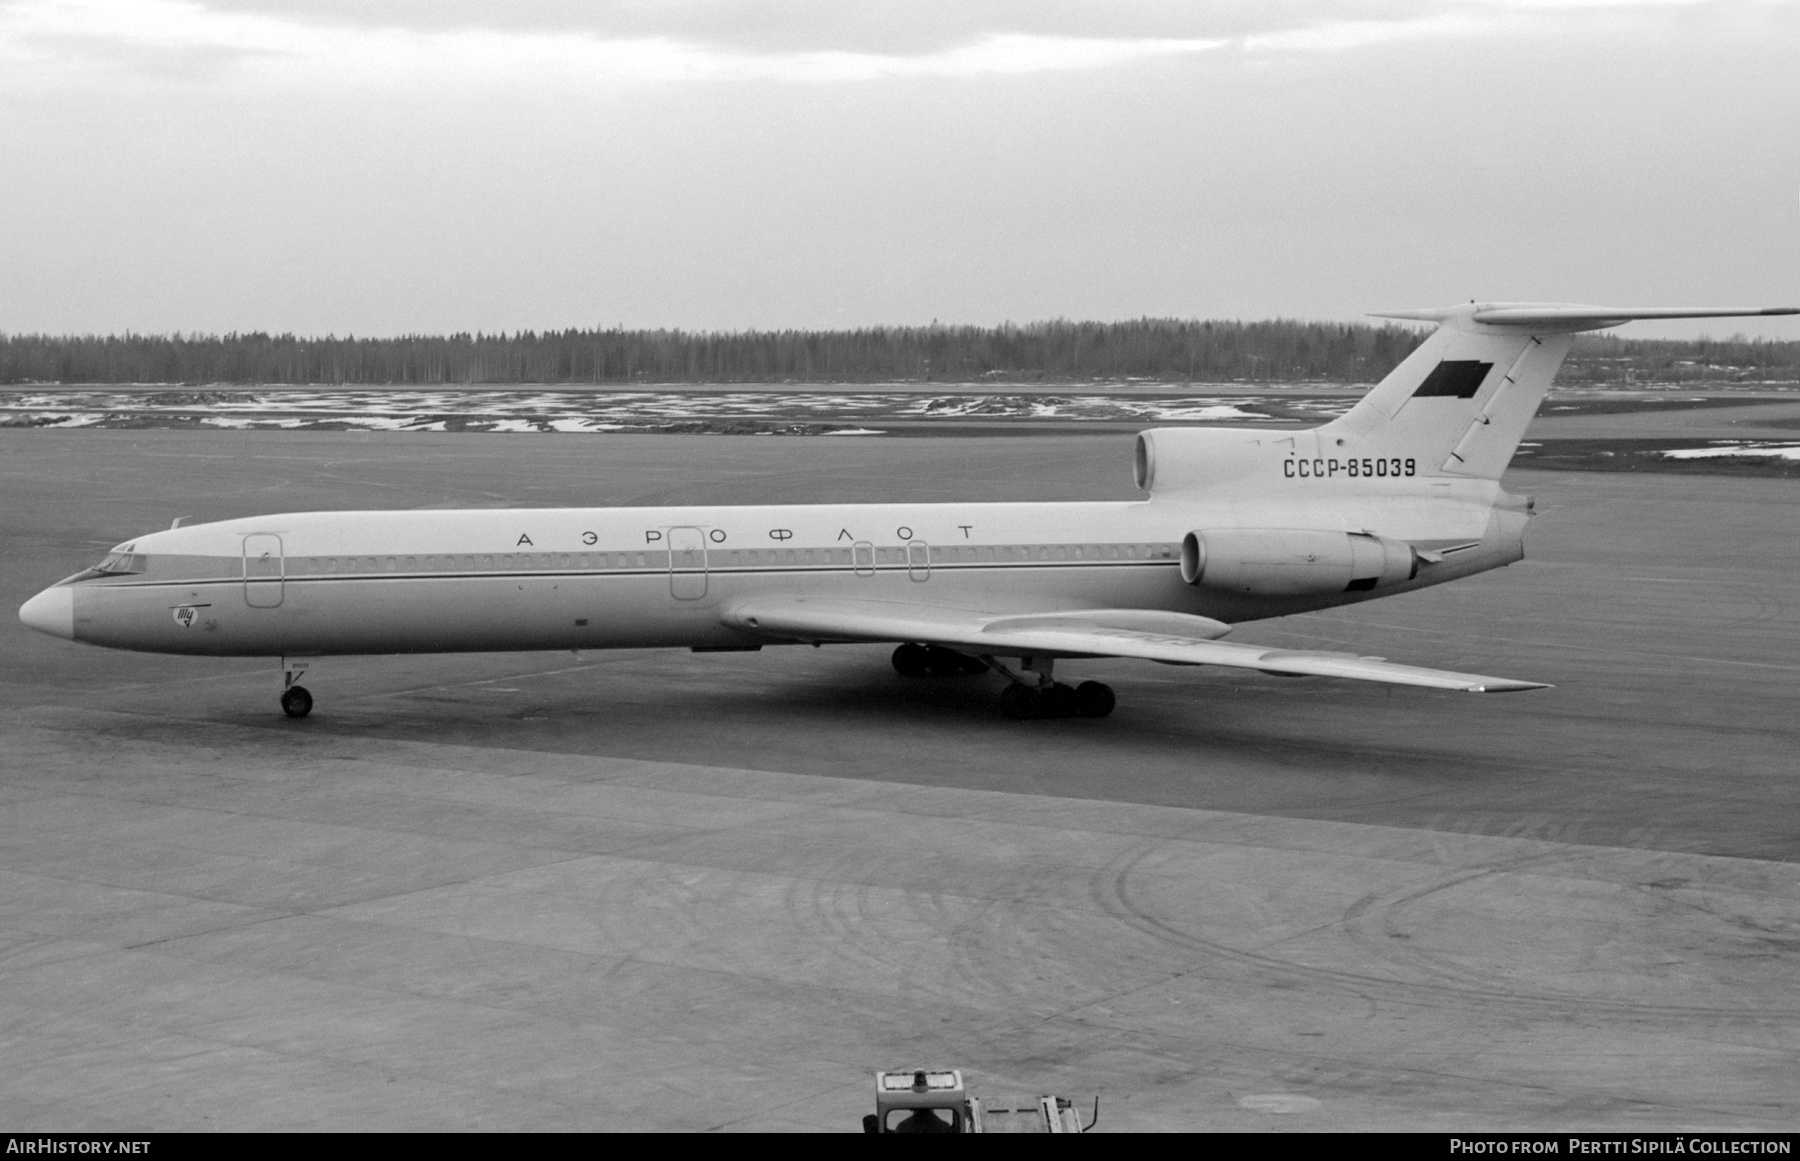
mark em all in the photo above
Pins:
pixel 185 615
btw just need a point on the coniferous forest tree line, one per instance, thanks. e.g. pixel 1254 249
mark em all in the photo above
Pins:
pixel 1159 349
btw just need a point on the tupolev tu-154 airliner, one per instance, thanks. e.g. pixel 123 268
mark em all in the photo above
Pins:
pixel 1401 492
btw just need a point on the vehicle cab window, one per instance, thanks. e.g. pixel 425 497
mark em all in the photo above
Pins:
pixel 923 1121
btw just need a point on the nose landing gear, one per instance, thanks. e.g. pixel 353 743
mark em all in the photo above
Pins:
pixel 296 701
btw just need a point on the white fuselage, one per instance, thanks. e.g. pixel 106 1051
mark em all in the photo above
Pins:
pixel 322 583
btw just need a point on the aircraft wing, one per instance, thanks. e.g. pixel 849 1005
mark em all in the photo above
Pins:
pixel 1173 638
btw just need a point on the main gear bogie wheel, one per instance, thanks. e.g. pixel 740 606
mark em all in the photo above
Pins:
pixel 1094 700
pixel 1019 703
pixel 912 660
pixel 1056 701
pixel 949 663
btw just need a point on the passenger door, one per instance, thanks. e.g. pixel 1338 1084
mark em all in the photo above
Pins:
pixel 263 570
pixel 687 563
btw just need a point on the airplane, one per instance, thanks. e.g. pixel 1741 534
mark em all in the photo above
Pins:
pixel 1237 524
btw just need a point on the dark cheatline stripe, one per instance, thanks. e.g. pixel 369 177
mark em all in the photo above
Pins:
pixel 1454 379
pixel 802 570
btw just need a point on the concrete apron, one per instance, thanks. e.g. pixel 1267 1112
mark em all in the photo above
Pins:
pixel 213 926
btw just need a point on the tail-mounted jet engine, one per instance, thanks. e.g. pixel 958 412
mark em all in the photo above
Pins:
pixel 1294 562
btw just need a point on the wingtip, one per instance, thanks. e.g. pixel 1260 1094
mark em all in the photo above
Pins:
pixel 1509 686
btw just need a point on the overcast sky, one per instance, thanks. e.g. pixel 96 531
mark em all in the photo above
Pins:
pixel 386 166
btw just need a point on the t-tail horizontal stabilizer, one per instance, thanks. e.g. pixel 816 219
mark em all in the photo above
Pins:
pixel 1568 317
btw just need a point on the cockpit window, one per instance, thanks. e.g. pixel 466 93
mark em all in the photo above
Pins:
pixel 121 564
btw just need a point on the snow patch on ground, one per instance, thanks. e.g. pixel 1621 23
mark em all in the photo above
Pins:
pixel 1786 451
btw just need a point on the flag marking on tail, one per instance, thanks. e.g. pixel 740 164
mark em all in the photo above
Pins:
pixel 1454 379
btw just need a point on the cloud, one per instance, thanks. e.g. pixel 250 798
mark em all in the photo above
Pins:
pixel 183 37
pixel 261 43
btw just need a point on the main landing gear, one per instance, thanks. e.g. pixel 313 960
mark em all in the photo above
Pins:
pixel 1090 699
pixel 935 661
pixel 1021 699
pixel 296 701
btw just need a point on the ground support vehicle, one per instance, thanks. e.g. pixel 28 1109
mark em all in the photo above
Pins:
pixel 919 1100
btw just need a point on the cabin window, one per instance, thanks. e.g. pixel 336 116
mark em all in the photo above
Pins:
pixel 393 563
pixel 640 560
pixel 412 564
pixel 808 555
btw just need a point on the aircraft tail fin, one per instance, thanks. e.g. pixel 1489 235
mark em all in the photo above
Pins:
pixel 1460 403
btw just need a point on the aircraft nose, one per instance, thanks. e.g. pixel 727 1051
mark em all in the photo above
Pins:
pixel 51 611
